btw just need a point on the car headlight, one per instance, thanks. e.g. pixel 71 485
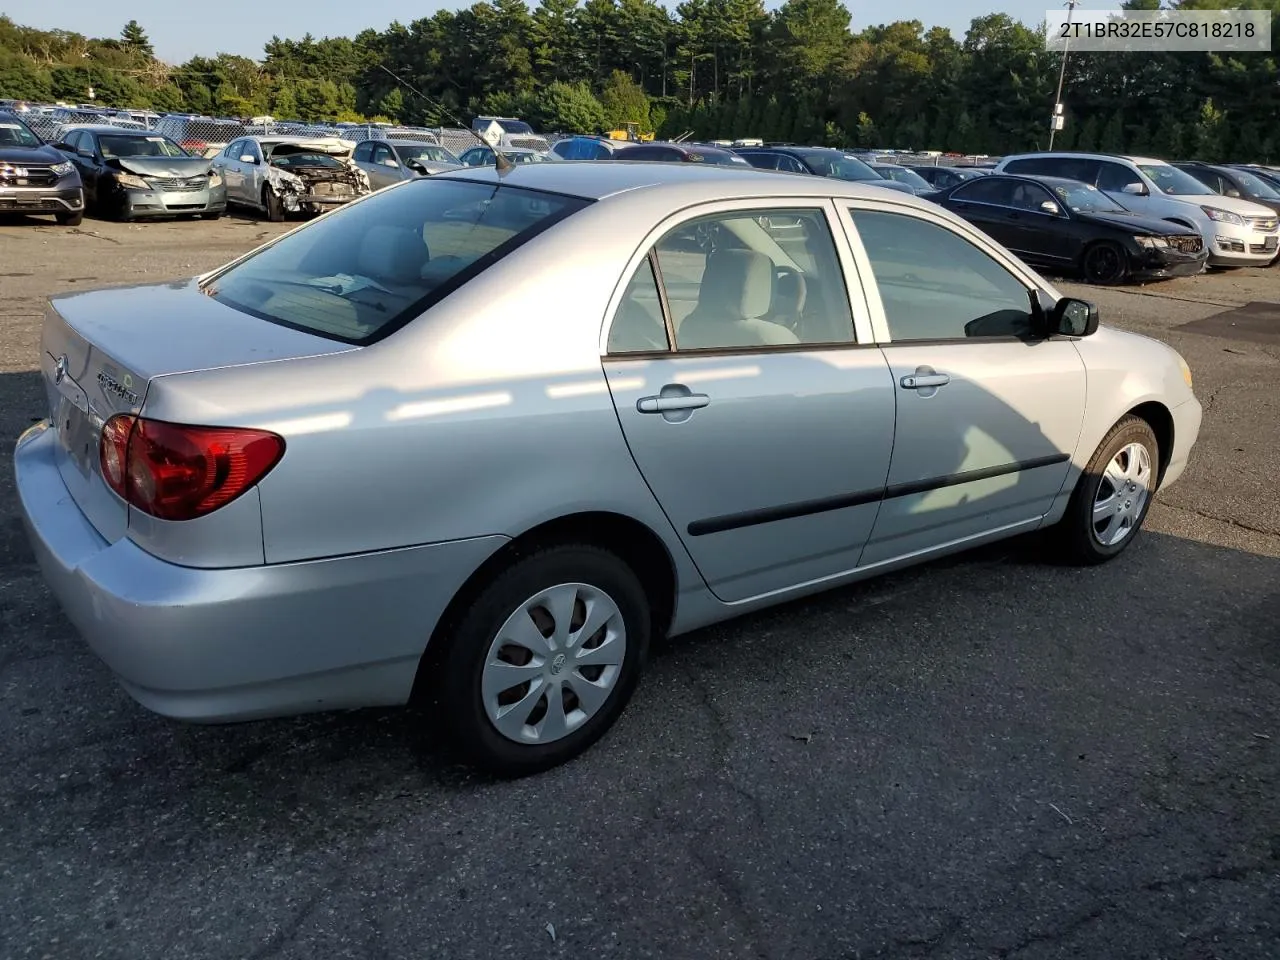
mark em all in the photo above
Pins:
pixel 1152 243
pixel 215 178
pixel 63 168
pixel 1186 370
pixel 132 182
pixel 1223 216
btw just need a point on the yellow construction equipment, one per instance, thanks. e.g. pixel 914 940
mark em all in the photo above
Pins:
pixel 631 132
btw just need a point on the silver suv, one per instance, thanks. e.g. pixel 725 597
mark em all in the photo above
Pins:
pixel 1237 232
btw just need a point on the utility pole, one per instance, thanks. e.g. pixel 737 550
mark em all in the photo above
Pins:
pixel 1057 120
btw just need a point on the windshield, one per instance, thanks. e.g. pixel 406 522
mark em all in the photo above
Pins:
pixel 14 134
pixel 1175 182
pixel 367 270
pixel 903 175
pixel 515 126
pixel 839 166
pixel 427 154
pixel 1083 198
pixel 113 145
pixel 1256 186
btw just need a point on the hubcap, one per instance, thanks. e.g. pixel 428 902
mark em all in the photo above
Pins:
pixel 1122 494
pixel 553 663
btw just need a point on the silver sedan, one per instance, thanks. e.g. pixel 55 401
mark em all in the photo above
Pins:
pixel 476 439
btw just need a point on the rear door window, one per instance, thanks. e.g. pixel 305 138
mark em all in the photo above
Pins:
pixel 364 273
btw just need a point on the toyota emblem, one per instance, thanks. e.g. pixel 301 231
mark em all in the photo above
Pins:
pixel 60 369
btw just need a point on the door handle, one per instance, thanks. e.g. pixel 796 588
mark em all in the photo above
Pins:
pixel 923 381
pixel 692 401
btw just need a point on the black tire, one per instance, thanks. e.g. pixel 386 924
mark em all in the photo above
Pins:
pixel 215 215
pixel 70 219
pixel 1104 263
pixel 455 683
pixel 271 203
pixel 1076 534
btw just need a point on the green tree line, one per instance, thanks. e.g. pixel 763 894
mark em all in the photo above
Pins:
pixel 717 68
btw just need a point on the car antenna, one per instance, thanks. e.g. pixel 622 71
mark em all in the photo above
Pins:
pixel 500 160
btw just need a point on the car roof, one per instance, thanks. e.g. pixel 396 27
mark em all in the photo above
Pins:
pixel 108 128
pixel 597 180
pixel 409 142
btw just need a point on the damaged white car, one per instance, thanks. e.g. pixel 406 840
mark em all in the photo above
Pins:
pixel 283 175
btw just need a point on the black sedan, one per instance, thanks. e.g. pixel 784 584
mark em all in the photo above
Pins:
pixel 943 177
pixel 680 153
pixel 1071 226
pixel 128 174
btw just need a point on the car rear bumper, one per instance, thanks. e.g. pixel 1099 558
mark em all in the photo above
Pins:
pixel 218 645
pixel 49 199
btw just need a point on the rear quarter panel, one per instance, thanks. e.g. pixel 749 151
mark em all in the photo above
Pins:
pixel 488 415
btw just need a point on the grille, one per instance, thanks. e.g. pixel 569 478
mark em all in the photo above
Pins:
pixel 21 175
pixel 1185 244
pixel 1263 224
pixel 178 183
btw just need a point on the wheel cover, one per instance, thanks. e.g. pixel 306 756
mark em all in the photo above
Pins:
pixel 553 663
pixel 1104 264
pixel 1122 494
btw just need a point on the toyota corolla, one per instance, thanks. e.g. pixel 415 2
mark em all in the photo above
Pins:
pixel 384 458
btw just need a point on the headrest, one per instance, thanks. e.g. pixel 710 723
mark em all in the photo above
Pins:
pixel 392 253
pixel 737 284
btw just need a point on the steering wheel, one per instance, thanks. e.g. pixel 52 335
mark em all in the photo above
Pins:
pixel 707 235
pixel 791 290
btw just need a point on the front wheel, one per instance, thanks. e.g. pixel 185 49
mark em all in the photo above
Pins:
pixel 1104 263
pixel 1113 495
pixel 543 660
pixel 271 203
pixel 70 219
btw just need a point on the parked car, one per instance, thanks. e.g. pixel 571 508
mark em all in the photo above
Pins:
pixel 680 153
pixel 34 177
pixel 283 175
pixel 198 135
pixel 479 156
pixel 1270 175
pixel 587 148
pixel 390 161
pixel 943 178
pixel 1234 182
pixel 1068 225
pixel 904 175
pixel 819 161
pixel 1238 233
pixel 129 174
pixel 353 468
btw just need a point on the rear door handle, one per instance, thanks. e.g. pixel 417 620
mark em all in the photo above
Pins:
pixel 922 381
pixel 692 401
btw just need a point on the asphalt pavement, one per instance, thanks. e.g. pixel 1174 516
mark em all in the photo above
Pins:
pixel 989 756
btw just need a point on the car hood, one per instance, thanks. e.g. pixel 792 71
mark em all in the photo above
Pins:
pixel 41 154
pixel 1135 224
pixel 162 166
pixel 1245 208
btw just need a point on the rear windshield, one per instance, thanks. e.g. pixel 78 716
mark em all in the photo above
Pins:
pixel 367 270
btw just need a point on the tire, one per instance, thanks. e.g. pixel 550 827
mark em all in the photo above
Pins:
pixel 70 219
pixel 1079 537
pixel 480 638
pixel 1104 263
pixel 216 215
pixel 271 203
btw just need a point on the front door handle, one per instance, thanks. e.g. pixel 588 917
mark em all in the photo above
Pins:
pixel 692 401
pixel 924 381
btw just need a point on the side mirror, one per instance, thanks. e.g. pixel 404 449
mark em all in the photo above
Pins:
pixel 84 152
pixel 1073 318
pixel 246 158
pixel 389 162
pixel 1050 208
pixel 1232 192
pixel 1135 189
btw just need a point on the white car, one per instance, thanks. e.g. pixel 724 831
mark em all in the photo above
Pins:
pixel 1237 232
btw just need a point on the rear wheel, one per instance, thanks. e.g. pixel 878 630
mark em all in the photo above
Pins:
pixel 1104 263
pixel 543 660
pixel 1113 495
pixel 271 203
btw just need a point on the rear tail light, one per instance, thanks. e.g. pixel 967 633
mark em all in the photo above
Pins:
pixel 178 472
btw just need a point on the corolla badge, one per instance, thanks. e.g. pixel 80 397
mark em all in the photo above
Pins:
pixel 60 369
pixel 110 385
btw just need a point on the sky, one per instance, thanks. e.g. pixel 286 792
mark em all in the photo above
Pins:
pixel 243 26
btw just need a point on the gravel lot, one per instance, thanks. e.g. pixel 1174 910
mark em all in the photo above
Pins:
pixel 986 757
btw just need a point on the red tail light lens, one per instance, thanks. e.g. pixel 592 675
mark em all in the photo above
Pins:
pixel 178 472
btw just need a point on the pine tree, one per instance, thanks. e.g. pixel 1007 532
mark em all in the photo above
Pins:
pixel 1088 140
pixel 1112 137
pixel 135 38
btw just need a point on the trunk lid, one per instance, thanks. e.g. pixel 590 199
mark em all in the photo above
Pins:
pixel 101 349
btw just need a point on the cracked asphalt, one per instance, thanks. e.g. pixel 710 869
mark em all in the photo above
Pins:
pixel 989 756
